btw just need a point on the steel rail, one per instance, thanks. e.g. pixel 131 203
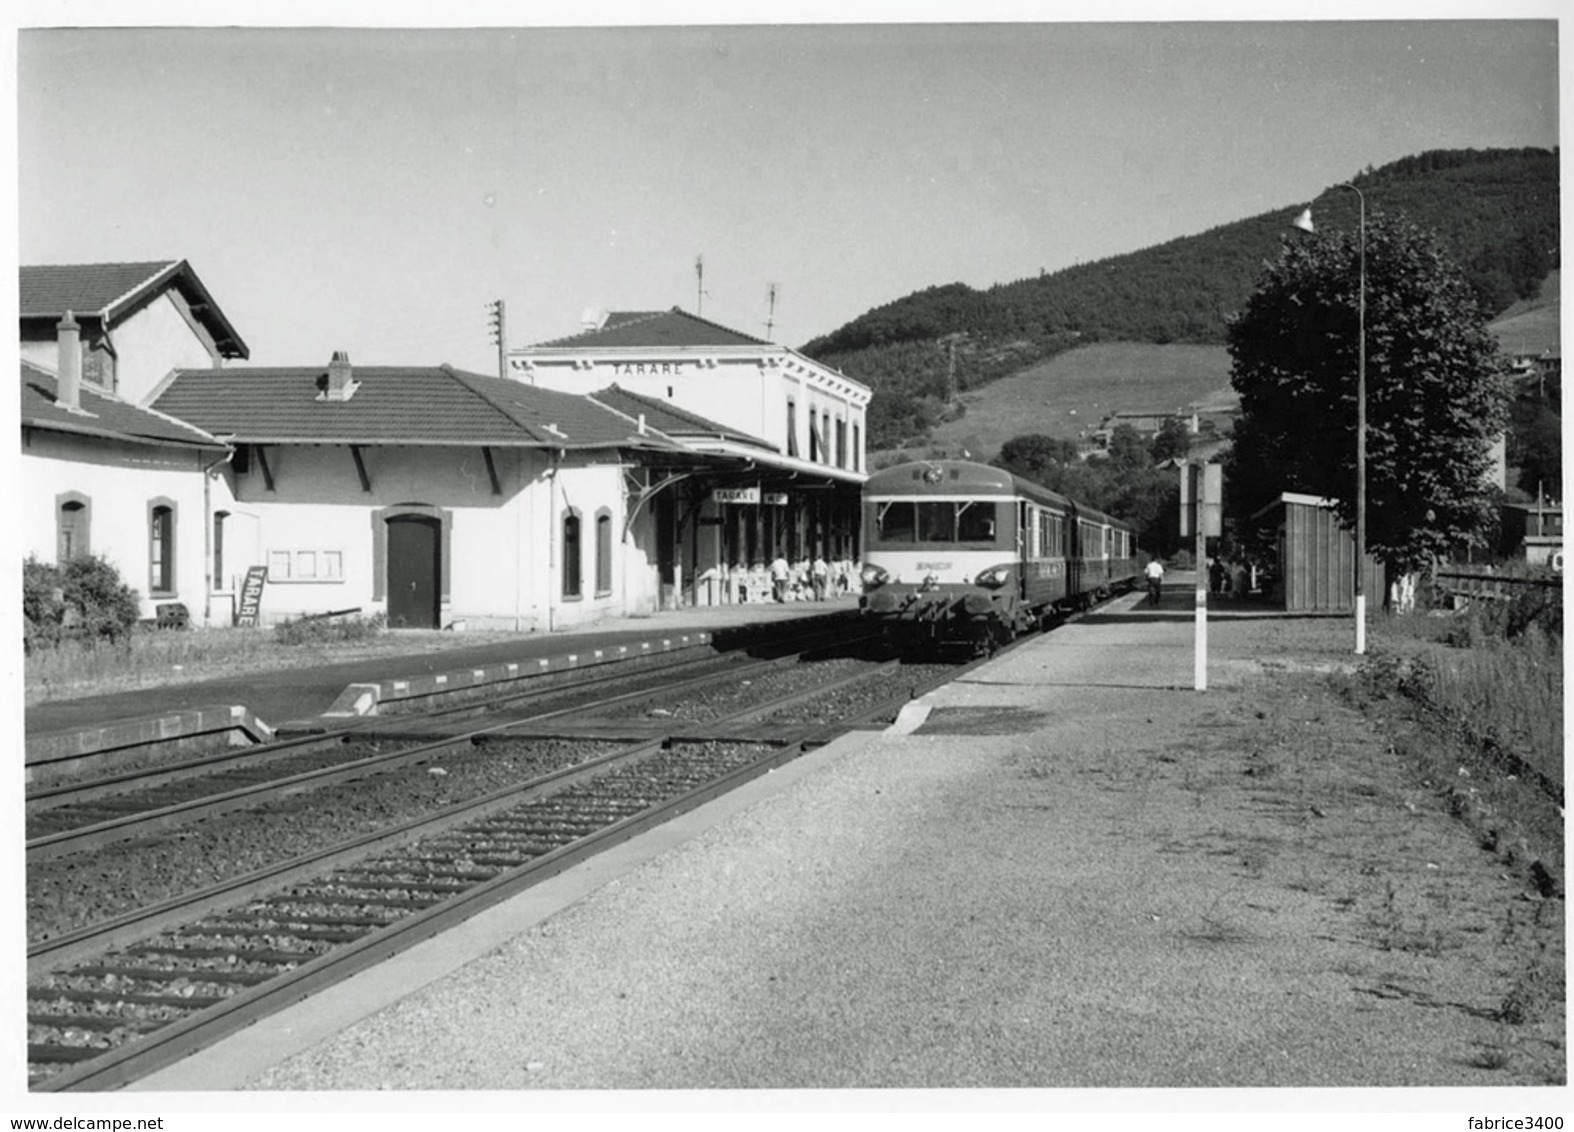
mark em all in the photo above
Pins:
pixel 177 1040
pixel 335 731
pixel 50 846
pixel 110 933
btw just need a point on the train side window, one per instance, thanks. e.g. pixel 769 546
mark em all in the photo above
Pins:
pixel 976 522
pixel 937 522
pixel 898 523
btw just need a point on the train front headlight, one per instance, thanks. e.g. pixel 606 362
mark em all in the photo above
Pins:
pixel 994 577
pixel 874 576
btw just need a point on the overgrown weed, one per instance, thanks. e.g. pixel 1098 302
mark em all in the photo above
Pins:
pixel 1475 702
pixel 150 656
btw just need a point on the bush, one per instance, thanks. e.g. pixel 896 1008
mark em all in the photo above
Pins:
pixel 1532 610
pixel 43 605
pixel 81 599
pixel 321 630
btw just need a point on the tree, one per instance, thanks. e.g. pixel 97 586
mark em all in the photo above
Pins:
pixel 1437 394
pixel 1033 456
pixel 1172 441
pixel 1126 484
pixel 1535 448
pixel 1128 453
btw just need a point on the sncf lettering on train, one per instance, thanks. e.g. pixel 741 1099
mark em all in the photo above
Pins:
pixel 933 566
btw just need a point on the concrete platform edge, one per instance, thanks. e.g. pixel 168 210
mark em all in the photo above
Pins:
pixel 367 699
pixel 61 749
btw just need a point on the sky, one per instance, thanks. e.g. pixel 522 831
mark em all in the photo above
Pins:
pixel 373 189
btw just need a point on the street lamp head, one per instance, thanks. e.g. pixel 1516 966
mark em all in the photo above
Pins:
pixel 1303 221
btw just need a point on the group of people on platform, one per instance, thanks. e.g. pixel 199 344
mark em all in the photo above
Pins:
pixel 1228 579
pixel 1224 579
pixel 806 580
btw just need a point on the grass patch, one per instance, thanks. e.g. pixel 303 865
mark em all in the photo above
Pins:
pixel 1479 713
pixel 150 657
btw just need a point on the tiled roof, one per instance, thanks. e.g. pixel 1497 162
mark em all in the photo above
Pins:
pixel 85 287
pixel 109 290
pixel 655 329
pixel 668 418
pixel 104 415
pixel 393 405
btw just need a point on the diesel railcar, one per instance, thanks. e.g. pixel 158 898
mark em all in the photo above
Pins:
pixel 964 554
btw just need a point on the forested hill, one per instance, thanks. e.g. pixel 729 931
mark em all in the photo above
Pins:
pixel 1496 211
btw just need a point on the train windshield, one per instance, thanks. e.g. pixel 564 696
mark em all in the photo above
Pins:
pixel 946 521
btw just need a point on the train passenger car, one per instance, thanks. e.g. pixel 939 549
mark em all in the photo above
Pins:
pixel 967 554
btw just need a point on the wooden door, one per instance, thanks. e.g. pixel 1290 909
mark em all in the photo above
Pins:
pixel 414 544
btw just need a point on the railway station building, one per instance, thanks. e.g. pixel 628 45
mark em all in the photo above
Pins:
pixel 437 497
pixel 783 438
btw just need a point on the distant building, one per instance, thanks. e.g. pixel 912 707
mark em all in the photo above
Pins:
pixel 1532 342
pixel 1533 532
pixel 1207 429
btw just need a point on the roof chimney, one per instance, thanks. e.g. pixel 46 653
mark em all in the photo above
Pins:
pixel 341 384
pixel 593 318
pixel 68 370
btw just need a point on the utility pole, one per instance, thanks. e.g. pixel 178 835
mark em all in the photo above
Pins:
pixel 699 285
pixel 950 341
pixel 499 324
pixel 770 317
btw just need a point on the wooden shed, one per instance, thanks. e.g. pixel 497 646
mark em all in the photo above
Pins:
pixel 1315 570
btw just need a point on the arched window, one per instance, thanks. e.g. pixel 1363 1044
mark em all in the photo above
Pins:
pixel 161 547
pixel 571 555
pixel 73 520
pixel 603 553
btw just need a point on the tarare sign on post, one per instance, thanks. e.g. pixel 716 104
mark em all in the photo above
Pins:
pixel 736 494
pixel 251 597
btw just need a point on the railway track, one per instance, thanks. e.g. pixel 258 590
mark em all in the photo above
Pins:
pixel 115 1000
pixel 78 816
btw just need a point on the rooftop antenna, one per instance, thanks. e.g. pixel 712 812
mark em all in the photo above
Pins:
pixel 770 317
pixel 699 285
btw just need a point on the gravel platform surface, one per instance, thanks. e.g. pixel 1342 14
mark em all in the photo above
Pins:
pixel 1067 871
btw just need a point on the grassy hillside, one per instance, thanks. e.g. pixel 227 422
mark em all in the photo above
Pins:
pixel 1495 213
pixel 1072 392
pixel 1069 394
pixel 1532 326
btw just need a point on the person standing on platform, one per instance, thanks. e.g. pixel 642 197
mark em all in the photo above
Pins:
pixel 780 572
pixel 1155 573
pixel 820 576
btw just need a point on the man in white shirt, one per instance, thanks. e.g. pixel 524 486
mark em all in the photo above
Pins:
pixel 1155 572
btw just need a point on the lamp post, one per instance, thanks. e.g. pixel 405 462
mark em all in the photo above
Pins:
pixel 1304 222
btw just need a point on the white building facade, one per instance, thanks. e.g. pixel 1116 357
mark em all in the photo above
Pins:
pixel 102 474
pixel 788 435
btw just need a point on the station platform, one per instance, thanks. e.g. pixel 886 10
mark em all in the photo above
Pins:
pixel 255 705
pixel 1051 874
